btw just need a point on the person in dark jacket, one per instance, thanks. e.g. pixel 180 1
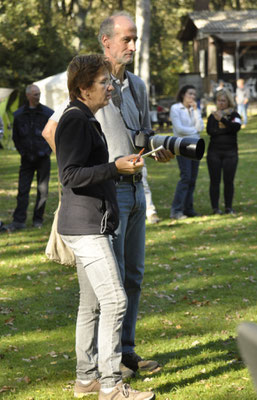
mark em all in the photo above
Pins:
pixel 29 122
pixel 222 156
pixel 88 216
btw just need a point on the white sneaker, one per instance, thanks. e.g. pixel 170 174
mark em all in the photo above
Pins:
pixel 123 391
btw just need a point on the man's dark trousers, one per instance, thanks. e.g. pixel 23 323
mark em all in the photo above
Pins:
pixel 27 169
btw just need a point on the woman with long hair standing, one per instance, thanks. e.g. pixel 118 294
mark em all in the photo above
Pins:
pixel 222 156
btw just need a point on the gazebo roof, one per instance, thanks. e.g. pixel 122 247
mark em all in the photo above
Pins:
pixel 218 23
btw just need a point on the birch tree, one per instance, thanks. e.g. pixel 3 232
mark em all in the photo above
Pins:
pixel 142 57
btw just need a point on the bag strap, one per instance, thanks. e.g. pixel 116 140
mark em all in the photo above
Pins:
pixel 59 188
pixel 95 125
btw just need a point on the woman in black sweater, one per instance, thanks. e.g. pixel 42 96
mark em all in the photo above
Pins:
pixel 222 156
pixel 87 217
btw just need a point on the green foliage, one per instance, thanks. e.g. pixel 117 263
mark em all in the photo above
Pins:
pixel 200 283
pixel 39 37
pixel 34 42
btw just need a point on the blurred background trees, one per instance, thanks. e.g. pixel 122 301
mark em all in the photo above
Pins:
pixel 39 37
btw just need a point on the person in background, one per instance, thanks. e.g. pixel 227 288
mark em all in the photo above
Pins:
pixel 220 86
pixel 29 122
pixel 151 213
pixel 120 119
pixel 186 121
pixel 88 216
pixel 222 156
pixel 242 100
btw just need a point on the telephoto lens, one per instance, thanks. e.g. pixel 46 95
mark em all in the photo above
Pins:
pixel 189 147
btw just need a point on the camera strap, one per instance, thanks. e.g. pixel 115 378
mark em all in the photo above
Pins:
pixel 134 95
pixel 117 100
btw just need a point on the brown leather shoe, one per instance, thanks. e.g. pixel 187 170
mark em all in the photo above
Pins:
pixel 126 372
pixel 135 362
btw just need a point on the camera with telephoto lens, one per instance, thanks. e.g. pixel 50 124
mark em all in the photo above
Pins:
pixel 189 147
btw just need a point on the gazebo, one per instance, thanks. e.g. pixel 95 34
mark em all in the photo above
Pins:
pixel 224 46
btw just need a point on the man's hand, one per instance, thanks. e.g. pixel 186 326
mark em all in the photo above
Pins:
pixel 164 156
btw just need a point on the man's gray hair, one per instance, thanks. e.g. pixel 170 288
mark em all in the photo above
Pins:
pixel 106 27
pixel 29 87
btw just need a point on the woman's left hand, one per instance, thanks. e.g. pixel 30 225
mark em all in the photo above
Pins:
pixel 217 115
pixel 129 164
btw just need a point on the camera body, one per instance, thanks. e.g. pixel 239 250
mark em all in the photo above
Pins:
pixel 188 147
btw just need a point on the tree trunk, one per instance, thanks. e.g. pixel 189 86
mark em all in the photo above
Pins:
pixel 142 57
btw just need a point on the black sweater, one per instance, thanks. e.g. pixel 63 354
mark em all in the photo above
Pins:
pixel 224 138
pixel 88 204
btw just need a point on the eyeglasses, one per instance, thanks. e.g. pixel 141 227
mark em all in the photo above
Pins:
pixel 105 83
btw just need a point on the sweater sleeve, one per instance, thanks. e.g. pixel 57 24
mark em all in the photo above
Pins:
pixel 180 129
pixel 232 124
pixel 15 135
pixel 198 120
pixel 73 148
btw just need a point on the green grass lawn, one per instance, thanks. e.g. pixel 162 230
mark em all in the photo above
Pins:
pixel 200 283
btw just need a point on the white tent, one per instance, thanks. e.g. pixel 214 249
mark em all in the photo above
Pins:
pixel 54 90
pixel 5 92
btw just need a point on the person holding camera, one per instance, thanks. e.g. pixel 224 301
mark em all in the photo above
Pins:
pixel 186 122
pixel 222 156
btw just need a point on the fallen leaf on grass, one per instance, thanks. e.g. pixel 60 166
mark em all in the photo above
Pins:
pixel 251 279
pixel 52 354
pixel 5 389
pixel 27 379
pixel 5 311
pixel 9 321
pixel 12 348
pixel 153 372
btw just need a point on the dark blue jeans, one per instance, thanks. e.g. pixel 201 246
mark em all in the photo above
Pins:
pixel 222 161
pixel 183 199
pixel 129 248
pixel 27 169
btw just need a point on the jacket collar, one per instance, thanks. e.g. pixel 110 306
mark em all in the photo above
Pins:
pixel 28 109
pixel 84 108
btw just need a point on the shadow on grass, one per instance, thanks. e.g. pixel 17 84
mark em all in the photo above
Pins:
pixel 231 357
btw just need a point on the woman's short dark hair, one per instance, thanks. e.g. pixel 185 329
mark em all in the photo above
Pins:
pixel 182 91
pixel 82 71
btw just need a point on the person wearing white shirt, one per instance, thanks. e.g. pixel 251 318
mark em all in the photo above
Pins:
pixel 186 121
